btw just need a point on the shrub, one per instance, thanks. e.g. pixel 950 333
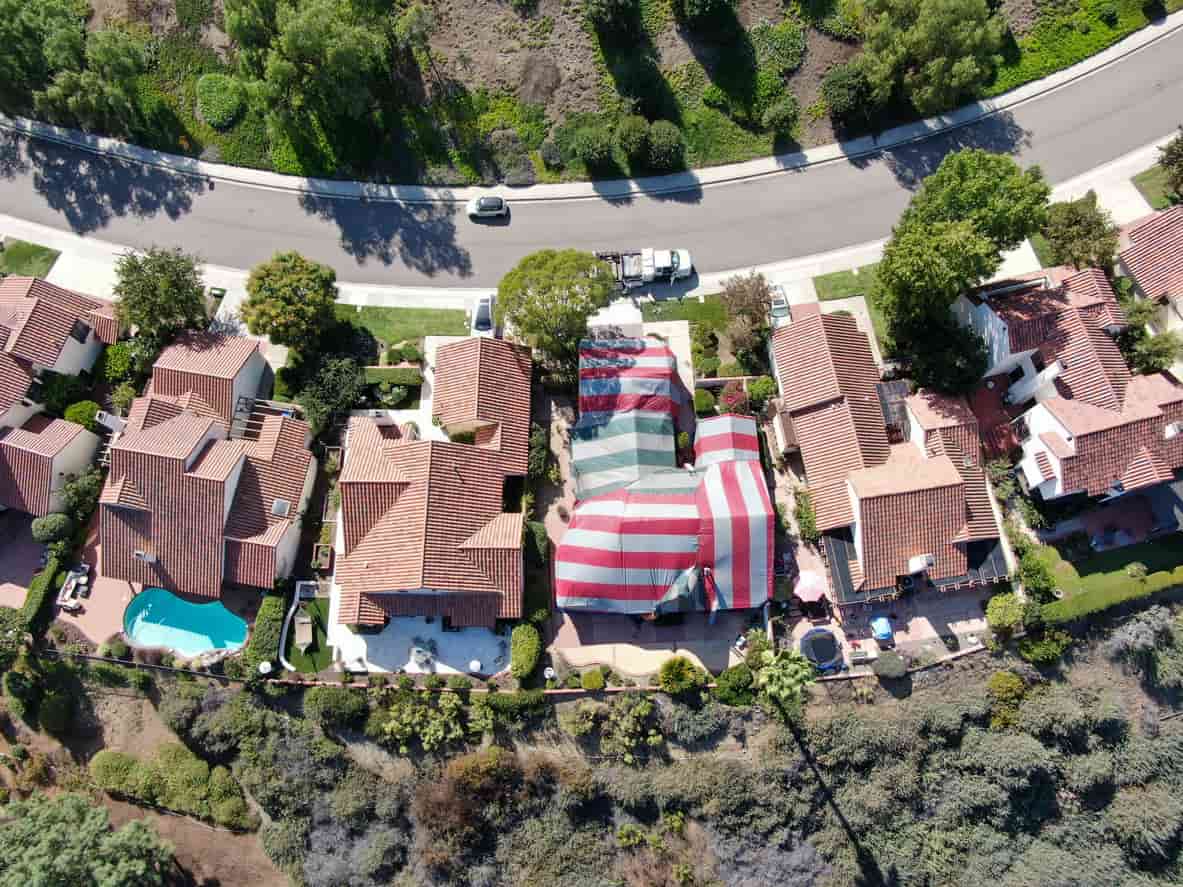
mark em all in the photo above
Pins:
pixel 805 516
pixel 22 694
pixel 690 725
pixel 122 397
pixel 1036 574
pixel 760 391
pixel 1046 648
pixel 525 648
pixel 734 686
pixel 115 772
pixel 734 399
pixel 781 116
pixel 264 643
pixel 593 145
pixel 665 145
pixel 552 155
pixel 52 528
pixel 890 665
pixel 632 136
pixel 609 14
pixel 220 100
pixel 58 391
pixel 1004 612
pixel 846 91
pixel 1006 691
pixel 1107 12
pixel 116 648
pixel 580 719
pixel 704 402
pixel 592 679
pixel 411 353
pixel 55 712
pixel 679 675
pixel 335 706
pixel 117 362
pixel 37 610
pixel 703 9
pixel 708 367
pixel 411 377
pixel 83 413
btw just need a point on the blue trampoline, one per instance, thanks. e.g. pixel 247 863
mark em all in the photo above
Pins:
pixel 821 647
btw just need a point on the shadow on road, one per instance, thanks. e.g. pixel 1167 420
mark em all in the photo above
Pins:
pixel 89 190
pixel 12 155
pixel 421 236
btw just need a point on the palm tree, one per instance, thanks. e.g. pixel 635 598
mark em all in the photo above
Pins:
pixel 783 677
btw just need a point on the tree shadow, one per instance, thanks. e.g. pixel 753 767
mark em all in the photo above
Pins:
pixel 12 155
pixel 421 236
pixel 89 190
pixel 632 62
pixel 725 51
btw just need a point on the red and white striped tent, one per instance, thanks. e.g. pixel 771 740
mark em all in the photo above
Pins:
pixel 674 540
pixel 727 438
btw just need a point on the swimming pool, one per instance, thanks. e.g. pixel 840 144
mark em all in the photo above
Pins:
pixel 158 618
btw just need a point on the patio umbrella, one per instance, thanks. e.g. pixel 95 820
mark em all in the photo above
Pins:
pixel 811 586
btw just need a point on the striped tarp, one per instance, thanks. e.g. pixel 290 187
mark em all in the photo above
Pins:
pixel 627 400
pixel 727 438
pixel 692 539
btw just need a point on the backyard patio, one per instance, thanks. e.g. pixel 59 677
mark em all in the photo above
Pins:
pixel 19 558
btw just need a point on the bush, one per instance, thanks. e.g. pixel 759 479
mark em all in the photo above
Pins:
pixel 704 402
pixel 411 377
pixel 593 145
pixel 118 362
pixel 83 413
pixel 889 665
pixel 59 391
pixel 805 516
pixel 220 100
pixel 781 116
pixel 665 145
pixel 1045 648
pixel 708 367
pixel 22 694
pixel 679 675
pixel 116 648
pixel 114 772
pixel 732 369
pixel 632 136
pixel 122 397
pixel 1004 612
pixel 703 9
pixel 735 686
pixel 1036 574
pixel 525 648
pixel 760 391
pixel 56 712
pixel 1107 12
pixel 609 14
pixel 552 155
pixel 265 634
pixel 411 353
pixel 52 528
pixel 37 610
pixel 846 92
pixel 592 680
pixel 335 706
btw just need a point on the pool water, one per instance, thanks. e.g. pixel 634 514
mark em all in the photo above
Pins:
pixel 158 618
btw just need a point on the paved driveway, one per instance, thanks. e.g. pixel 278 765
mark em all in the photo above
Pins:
pixel 19 557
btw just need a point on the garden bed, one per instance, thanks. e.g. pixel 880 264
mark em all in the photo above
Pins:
pixel 1152 185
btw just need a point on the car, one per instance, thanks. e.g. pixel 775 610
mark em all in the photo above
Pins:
pixel 482 323
pixel 489 207
pixel 778 310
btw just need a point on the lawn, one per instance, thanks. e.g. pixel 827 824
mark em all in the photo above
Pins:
pixel 394 325
pixel 710 313
pixel 1101 581
pixel 1152 185
pixel 1043 250
pixel 319 655
pixel 26 259
pixel 844 284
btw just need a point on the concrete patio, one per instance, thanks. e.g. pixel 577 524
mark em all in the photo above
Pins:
pixel 19 558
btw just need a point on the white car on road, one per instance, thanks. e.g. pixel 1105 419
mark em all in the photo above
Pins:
pixel 490 207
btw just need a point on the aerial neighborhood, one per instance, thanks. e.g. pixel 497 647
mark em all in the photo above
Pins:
pixel 599 444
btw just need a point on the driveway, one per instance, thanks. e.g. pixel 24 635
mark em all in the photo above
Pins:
pixel 19 557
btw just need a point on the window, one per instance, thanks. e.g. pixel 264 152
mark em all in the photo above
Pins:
pixel 1038 362
pixel 281 507
pixel 1021 428
pixel 80 331
pixel 1015 375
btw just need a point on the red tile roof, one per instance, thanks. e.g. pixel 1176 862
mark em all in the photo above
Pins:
pixel 203 365
pixel 1154 256
pixel 98 314
pixel 26 461
pixel 1045 466
pixel 941 415
pixel 15 378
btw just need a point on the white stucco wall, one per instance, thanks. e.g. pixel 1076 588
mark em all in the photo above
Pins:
pixel 76 456
pixel 77 357
pixel 286 551
pixel 992 329
pixel 18 414
pixel 1039 421
pixel 246 383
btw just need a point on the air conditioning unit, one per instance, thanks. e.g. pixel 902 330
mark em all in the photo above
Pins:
pixel 920 562
pixel 107 420
pixel 145 556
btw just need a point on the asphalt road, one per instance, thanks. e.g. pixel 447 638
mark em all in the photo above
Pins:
pixel 782 216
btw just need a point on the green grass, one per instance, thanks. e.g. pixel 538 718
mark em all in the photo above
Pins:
pixel 879 324
pixel 1043 250
pixel 710 313
pixel 1100 581
pixel 844 284
pixel 394 325
pixel 26 259
pixel 1152 185
pixel 319 655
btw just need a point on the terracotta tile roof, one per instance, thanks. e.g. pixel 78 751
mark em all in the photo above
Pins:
pixel 484 384
pixel 15 378
pixel 827 378
pixel 948 417
pixel 1045 466
pixel 1146 470
pixel 40 316
pixel 204 365
pixel 1154 256
pixel 26 461
pixel 1094 370
pixel 423 514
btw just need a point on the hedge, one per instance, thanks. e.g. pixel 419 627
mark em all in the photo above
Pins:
pixel 409 376
pixel 537 543
pixel 220 100
pixel 525 648
pixel 83 413
pixel 264 643
pixel 37 610
pixel 335 706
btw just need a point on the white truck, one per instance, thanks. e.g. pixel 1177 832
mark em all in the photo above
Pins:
pixel 639 267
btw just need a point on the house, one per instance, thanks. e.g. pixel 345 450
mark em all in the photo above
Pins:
pixel 191 502
pixel 44 328
pixel 894 517
pixel 424 525
pixel 1085 424
pixel 1151 255
pixel 225 372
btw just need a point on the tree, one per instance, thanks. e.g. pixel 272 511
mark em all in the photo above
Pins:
pixel 83 413
pixel 679 675
pixel 67 840
pixel 1153 354
pixel 80 493
pixel 932 52
pixel 51 528
pixel 338 386
pixel 666 146
pixel 747 295
pixel 548 298
pixel 947 356
pixel 1004 612
pixel 1002 201
pixel 1170 158
pixel 104 95
pixel 760 391
pixel 783 678
pixel 632 137
pixel 1081 233
pixel 925 267
pixel 252 25
pixel 609 14
pixel 159 293
pixel 414 26
pixel 39 39
pixel 290 299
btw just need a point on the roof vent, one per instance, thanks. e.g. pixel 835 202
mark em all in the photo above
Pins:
pixel 921 562
pixel 144 556
pixel 281 507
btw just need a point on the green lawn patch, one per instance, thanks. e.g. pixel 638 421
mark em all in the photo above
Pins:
pixel 319 655
pixel 710 313
pixel 26 259
pixel 1043 250
pixel 1152 185
pixel 408 376
pixel 1101 581
pixel 393 325
pixel 844 284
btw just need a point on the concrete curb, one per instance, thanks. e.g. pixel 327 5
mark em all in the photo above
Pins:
pixel 613 189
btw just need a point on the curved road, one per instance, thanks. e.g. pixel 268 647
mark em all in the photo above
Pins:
pixel 780 216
